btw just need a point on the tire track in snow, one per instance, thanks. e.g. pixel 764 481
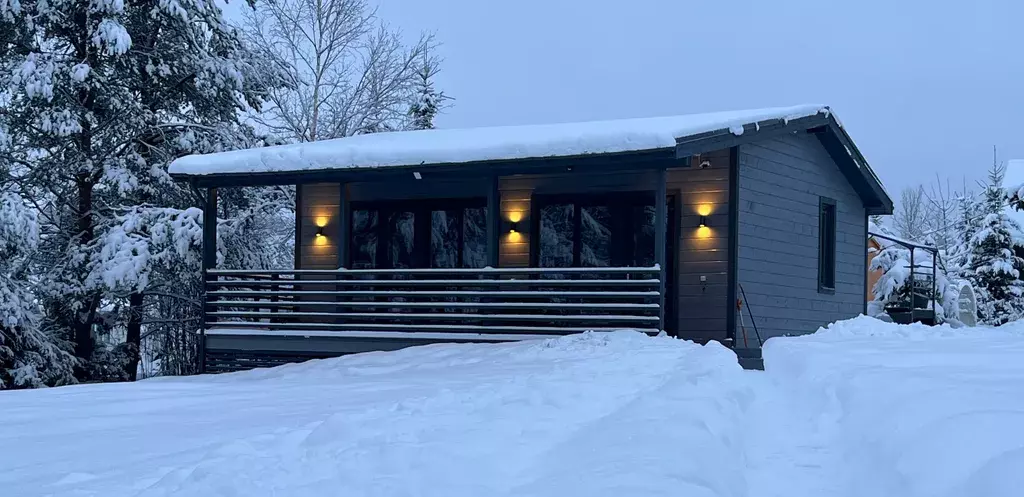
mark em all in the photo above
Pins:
pixel 790 438
pixel 691 413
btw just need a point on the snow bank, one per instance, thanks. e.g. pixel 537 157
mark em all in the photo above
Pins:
pixel 455 146
pixel 861 408
pixel 916 411
pixel 595 414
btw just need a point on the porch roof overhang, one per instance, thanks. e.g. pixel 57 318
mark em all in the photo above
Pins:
pixel 611 145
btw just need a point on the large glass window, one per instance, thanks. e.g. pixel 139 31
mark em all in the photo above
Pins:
pixel 402 240
pixel 422 234
pixel 364 239
pixel 595 231
pixel 557 243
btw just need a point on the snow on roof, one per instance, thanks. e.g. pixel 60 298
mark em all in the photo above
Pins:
pixel 454 146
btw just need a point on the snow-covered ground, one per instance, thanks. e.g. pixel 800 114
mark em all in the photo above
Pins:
pixel 862 409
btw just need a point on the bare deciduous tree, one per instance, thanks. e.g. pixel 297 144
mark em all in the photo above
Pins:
pixel 911 217
pixel 348 73
pixel 942 214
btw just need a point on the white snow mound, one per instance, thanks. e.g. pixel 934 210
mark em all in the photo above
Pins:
pixel 915 411
pixel 861 408
pixel 594 414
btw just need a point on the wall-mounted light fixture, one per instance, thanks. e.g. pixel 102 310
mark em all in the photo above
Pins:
pixel 703 222
pixel 514 217
pixel 319 238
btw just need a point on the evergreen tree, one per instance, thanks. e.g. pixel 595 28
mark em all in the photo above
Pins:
pixel 100 96
pixel 428 101
pixel 968 222
pixel 29 355
pixel 992 266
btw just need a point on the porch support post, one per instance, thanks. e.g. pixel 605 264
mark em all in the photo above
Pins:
pixel 660 235
pixel 493 221
pixel 298 227
pixel 209 262
pixel 344 218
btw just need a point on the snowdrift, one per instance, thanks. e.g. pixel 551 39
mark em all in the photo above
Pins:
pixel 916 410
pixel 594 414
pixel 863 408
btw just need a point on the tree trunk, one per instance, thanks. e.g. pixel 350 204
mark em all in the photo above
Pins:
pixel 133 339
pixel 87 312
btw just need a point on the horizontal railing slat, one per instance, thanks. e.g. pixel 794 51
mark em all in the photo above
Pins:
pixel 469 283
pixel 512 301
pixel 473 271
pixel 440 305
pixel 437 316
pixel 298 327
pixel 432 293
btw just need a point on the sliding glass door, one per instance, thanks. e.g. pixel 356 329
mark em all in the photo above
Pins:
pixel 419 234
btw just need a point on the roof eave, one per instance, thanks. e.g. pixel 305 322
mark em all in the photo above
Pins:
pixel 852 163
pixel 832 135
pixel 636 159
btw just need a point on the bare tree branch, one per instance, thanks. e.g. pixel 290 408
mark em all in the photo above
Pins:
pixel 348 73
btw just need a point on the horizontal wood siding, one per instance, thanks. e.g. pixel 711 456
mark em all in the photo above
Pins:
pixel 701 307
pixel 780 183
pixel 514 249
pixel 320 203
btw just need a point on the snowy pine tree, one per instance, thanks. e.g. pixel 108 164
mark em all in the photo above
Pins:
pixel 992 266
pixel 100 96
pixel 29 355
pixel 428 101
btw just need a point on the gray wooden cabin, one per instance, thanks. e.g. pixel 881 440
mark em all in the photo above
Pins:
pixel 771 211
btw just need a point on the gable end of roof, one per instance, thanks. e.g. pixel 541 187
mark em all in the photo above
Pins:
pixel 829 132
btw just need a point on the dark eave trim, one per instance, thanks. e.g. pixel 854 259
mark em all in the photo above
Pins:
pixel 644 159
pixel 854 167
pixel 724 138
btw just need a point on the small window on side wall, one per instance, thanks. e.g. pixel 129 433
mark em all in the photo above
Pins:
pixel 826 245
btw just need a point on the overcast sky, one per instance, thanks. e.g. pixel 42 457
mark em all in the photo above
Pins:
pixel 924 87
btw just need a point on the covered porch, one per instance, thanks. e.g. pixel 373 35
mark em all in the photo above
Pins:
pixel 478 255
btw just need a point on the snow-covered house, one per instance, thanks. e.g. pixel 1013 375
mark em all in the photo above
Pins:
pixel 496 234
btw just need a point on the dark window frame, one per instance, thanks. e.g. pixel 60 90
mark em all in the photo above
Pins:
pixel 828 220
pixel 421 208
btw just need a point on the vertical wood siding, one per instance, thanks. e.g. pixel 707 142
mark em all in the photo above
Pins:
pixel 780 182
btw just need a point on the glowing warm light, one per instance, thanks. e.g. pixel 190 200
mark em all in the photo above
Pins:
pixel 319 240
pixel 321 221
pixel 515 237
pixel 703 232
pixel 515 216
pixel 704 209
